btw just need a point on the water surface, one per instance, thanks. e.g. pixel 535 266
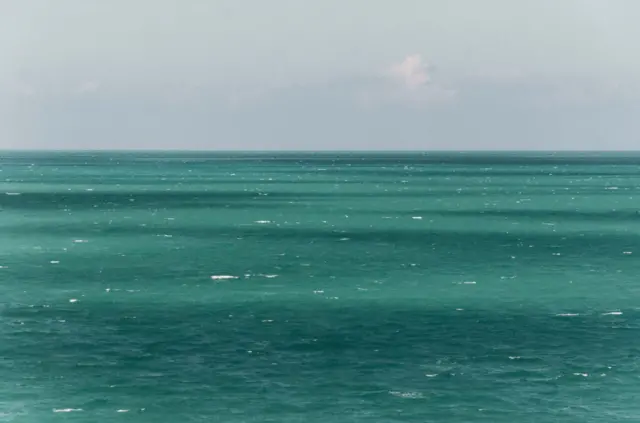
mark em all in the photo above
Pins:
pixel 351 287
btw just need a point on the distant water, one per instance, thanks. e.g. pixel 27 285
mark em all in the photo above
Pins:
pixel 201 287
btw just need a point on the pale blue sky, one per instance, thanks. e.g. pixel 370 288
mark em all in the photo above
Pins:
pixel 307 74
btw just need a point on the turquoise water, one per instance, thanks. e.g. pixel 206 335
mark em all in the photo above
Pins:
pixel 202 287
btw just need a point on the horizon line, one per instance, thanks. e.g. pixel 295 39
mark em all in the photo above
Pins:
pixel 197 150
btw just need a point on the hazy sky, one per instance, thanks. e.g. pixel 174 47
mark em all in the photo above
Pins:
pixel 320 74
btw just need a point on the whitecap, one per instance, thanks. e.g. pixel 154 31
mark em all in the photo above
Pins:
pixel 270 276
pixel 581 374
pixel 80 241
pixel 612 313
pixel 12 193
pixel 262 222
pixel 123 411
pixel 73 300
pixel 223 277
pixel 66 410
pixel 54 262
pixel 409 395
pixel 567 314
pixel 318 292
pixel 417 217
pixel 431 375
pixel 627 252
pixel 469 283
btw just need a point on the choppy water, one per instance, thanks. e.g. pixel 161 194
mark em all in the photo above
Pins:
pixel 366 287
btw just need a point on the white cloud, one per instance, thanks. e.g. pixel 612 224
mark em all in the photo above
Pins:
pixel 413 72
pixel 408 82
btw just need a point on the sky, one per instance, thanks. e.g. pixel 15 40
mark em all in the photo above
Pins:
pixel 320 74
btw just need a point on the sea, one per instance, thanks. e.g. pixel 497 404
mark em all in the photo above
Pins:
pixel 319 287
